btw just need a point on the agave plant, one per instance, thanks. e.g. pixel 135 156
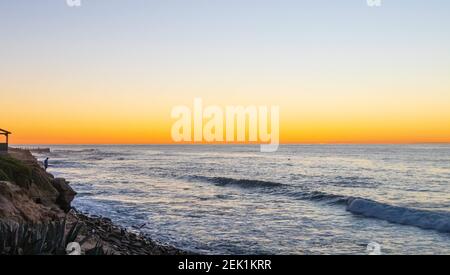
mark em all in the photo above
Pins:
pixel 41 239
pixel 97 250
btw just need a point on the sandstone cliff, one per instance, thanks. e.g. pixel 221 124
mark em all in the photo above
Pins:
pixel 28 193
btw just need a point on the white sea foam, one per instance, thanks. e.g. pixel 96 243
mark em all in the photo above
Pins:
pixel 439 221
pixel 235 200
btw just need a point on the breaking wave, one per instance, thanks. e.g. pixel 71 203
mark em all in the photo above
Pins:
pixel 439 221
pixel 244 183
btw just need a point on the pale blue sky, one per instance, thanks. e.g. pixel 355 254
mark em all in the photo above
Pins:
pixel 223 36
pixel 325 62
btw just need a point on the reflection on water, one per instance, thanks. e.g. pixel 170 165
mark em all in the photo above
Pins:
pixel 234 199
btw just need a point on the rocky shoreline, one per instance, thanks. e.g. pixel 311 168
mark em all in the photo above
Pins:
pixel 28 194
pixel 118 240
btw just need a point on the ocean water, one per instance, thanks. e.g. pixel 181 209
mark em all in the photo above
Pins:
pixel 303 199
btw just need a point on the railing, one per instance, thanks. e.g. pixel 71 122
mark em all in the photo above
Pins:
pixel 35 149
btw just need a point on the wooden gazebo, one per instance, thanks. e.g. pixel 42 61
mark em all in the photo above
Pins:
pixel 4 146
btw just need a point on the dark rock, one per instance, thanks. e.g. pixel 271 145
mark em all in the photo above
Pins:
pixel 66 193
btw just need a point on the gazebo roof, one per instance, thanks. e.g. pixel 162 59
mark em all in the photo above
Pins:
pixel 4 132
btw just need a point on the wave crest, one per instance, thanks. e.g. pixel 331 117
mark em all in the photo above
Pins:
pixel 439 221
pixel 424 219
pixel 244 183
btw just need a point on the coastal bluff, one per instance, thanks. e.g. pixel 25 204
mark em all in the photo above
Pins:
pixel 29 195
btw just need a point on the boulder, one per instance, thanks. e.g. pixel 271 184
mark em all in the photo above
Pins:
pixel 66 193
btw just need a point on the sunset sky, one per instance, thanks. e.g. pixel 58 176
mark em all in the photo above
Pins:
pixel 110 71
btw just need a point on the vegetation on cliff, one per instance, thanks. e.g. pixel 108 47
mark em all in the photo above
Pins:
pixel 34 208
pixel 12 169
pixel 27 192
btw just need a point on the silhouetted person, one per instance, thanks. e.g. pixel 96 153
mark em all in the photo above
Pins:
pixel 46 164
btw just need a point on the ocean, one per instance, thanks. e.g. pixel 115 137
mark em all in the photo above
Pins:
pixel 303 199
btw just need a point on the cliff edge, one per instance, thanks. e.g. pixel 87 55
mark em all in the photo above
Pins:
pixel 28 193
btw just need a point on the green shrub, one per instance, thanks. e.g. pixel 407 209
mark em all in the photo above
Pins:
pixel 3 176
pixel 14 170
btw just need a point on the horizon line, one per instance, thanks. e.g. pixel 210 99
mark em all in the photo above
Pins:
pixel 230 144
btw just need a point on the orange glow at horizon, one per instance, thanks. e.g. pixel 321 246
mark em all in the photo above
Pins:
pixel 153 127
pixel 111 73
pixel 117 117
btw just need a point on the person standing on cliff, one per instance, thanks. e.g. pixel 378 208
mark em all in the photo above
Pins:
pixel 46 164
